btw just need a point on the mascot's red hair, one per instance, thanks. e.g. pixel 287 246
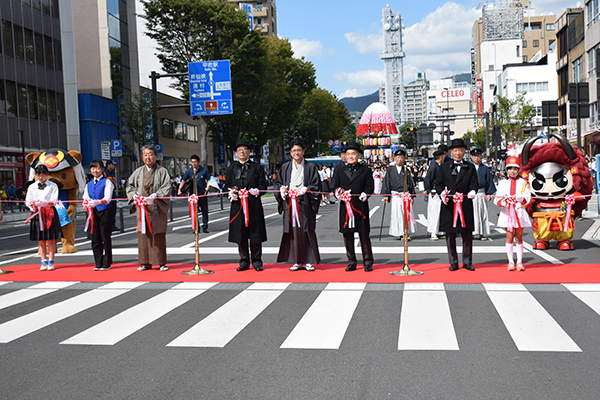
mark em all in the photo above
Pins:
pixel 561 182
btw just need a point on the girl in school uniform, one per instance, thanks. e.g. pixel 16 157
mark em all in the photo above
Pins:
pixel 513 195
pixel 44 227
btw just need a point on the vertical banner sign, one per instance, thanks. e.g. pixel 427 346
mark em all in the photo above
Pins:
pixel 474 75
pixel 247 7
pixel 479 98
pixel 105 150
pixel 146 98
pixel 210 88
pixel 221 153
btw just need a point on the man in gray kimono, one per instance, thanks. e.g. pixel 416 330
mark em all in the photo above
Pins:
pixel 152 182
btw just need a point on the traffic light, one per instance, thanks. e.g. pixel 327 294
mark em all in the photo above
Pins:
pixel 411 129
pixel 496 136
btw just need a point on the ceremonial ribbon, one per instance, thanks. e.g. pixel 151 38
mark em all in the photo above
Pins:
pixel 88 206
pixel 458 209
pixel 293 204
pixel 193 200
pixel 140 202
pixel 512 210
pixel 346 197
pixel 407 201
pixel 569 200
pixel 243 194
pixel 36 211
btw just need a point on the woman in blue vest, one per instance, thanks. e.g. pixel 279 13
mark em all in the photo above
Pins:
pixel 99 191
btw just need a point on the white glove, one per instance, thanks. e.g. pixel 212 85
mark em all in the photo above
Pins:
pixel 283 191
pixel 232 196
pixel 444 196
pixel 338 192
pixel 471 195
pixel 96 202
pixel 520 199
pixel 152 196
pixel 504 201
pixel 302 190
pixel 41 203
pixel 254 192
pixel 363 196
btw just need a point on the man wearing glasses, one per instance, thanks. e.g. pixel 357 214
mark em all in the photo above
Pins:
pixel 246 182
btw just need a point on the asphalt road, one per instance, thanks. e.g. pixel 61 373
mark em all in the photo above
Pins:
pixel 242 341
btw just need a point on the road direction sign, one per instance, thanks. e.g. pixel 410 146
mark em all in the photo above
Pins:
pixel 105 150
pixel 116 147
pixel 210 88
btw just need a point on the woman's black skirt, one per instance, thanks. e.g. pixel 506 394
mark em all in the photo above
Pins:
pixel 52 233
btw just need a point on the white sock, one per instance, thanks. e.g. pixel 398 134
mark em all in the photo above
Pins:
pixel 509 253
pixel 519 253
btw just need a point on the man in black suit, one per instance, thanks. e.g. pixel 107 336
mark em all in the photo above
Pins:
pixel 248 175
pixel 357 180
pixel 455 177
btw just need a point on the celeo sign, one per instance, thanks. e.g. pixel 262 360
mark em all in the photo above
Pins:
pixel 454 94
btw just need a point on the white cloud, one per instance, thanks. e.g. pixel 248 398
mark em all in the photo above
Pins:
pixel 365 43
pixel 307 48
pixel 369 78
pixel 349 93
pixel 556 7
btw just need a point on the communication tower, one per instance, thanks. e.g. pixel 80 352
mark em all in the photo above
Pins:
pixel 392 57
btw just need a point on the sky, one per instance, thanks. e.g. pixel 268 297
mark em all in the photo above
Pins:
pixel 343 38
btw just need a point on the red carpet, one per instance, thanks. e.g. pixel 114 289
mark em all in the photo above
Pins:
pixel 485 273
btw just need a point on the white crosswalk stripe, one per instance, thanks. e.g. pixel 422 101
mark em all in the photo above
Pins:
pixel 425 320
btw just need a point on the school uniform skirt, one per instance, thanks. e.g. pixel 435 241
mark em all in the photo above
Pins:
pixel 54 232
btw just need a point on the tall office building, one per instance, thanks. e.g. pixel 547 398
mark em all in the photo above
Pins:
pixel 33 61
pixel 261 14
pixel 415 99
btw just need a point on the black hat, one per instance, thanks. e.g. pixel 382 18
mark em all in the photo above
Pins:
pixel 241 142
pixel 475 151
pixel 110 162
pixel 458 143
pixel 438 153
pixel 400 152
pixel 353 146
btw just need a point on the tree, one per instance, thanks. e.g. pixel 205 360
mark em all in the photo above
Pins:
pixel 477 138
pixel 136 114
pixel 407 138
pixel 513 116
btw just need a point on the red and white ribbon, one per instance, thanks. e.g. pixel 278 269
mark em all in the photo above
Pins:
pixel 458 209
pixel 193 201
pixel 140 202
pixel 407 201
pixel 569 201
pixel 293 204
pixel 88 206
pixel 513 217
pixel 243 194
pixel 346 197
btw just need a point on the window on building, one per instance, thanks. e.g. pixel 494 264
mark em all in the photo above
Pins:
pixel 522 87
pixel 592 62
pixel 259 6
pixel 592 11
pixel 52 115
pixel 536 43
pixel 42 104
pixel 491 67
pixel 492 86
pixel 524 44
pixel 48 52
pixel 60 107
pixel 2 99
pixel 27 3
pixel 7 38
pixel 167 127
pixel 55 9
pixel 259 21
pixel 524 59
pixel 114 27
pixel 22 100
pixel 19 47
pixel 11 99
pixel 29 46
pixel 57 55
pixel 46 7
pixel 113 7
pixel 577 69
pixel 192 133
pixel 180 131
pixel 37 5
pixel 32 98
pixel 518 51
pixel 550 27
pixel 39 49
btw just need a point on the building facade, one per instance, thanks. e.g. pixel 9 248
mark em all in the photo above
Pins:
pixel 415 99
pixel 34 65
pixel 261 14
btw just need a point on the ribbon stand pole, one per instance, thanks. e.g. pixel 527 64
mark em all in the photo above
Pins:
pixel 197 270
pixel 406 271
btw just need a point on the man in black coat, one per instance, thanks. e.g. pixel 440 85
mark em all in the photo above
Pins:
pixel 454 177
pixel 357 180
pixel 248 175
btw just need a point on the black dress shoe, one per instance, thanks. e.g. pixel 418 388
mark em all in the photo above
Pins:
pixel 243 268
pixel 469 267
pixel 205 230
pixel 368 268
pixel 453 267
pixel 258 268
pixel 351 267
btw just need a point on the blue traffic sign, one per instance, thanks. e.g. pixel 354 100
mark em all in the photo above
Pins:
pixel 116 148
pixel 158 148
pixel 210 88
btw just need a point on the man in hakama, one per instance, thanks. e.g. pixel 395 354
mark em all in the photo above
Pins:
pixel 393 187
pixel 484 194
pixel 298 183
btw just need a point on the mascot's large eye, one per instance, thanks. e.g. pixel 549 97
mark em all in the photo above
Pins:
pixel 561 181
pixel 538 182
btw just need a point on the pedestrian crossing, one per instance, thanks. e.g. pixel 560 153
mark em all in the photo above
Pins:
pixel 424 316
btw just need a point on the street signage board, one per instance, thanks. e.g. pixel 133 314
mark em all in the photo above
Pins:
pixel 116 148
pixel 105 150
pixel 210 88
pixel 159 151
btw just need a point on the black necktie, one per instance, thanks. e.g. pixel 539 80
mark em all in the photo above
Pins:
pixel 41 186
pixel 95 181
